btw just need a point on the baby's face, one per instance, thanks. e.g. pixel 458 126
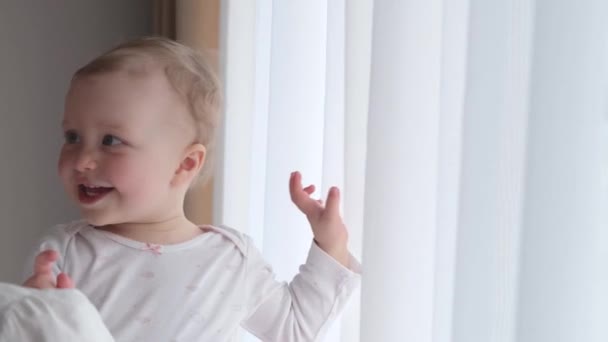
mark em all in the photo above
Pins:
pixel 125 137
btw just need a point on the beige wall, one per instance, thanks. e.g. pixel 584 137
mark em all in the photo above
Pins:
pixel 42 42
pixel 197 25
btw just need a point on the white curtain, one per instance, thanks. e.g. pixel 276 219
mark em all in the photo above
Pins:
pixel 470 139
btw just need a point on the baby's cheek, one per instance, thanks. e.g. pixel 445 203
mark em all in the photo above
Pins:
pixel 137 179
pixel 62 160
pixel 123 175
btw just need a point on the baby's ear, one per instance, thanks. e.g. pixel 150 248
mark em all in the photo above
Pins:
pixel 191 164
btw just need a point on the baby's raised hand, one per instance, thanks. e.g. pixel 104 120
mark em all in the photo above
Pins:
pixel 327 226
pixel 43 276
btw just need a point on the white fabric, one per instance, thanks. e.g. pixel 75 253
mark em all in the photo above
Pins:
pixel 199 290
pixel 48 316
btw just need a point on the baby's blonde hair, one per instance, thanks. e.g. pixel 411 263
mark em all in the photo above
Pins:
pixel 190 74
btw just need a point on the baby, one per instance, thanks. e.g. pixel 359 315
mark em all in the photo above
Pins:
pixel 139 127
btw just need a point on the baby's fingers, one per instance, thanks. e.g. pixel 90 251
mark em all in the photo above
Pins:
pixel 301 197
pixel 64 281
pixel 332 206
pixel 43 275
pixel 38 281
pixel 43 264
pixel 309 189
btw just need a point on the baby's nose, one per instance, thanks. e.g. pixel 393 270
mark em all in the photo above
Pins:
pixel 86 160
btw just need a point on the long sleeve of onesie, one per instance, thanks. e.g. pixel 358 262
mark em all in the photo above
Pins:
pixel 303 309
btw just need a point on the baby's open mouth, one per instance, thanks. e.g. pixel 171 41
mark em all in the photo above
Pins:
pixel 91 194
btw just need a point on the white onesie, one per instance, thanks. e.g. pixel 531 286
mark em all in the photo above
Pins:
pixel 199 290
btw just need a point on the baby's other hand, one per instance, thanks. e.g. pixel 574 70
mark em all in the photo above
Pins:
pixel 43 276
pixel 327 226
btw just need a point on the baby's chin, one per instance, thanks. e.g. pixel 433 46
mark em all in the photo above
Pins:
pixel 98 219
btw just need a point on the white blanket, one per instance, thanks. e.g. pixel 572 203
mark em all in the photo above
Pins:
pixel 48 315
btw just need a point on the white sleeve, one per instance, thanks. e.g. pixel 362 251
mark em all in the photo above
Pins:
pixel 56 238
pixel 304 309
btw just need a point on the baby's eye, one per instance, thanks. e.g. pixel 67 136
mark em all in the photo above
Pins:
pixel 71 137
pixel 110 140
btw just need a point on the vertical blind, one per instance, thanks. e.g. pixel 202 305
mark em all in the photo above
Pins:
pixel 470 139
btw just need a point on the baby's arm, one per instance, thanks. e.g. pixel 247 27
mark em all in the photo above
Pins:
pixel 43 277
pixel 304 309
